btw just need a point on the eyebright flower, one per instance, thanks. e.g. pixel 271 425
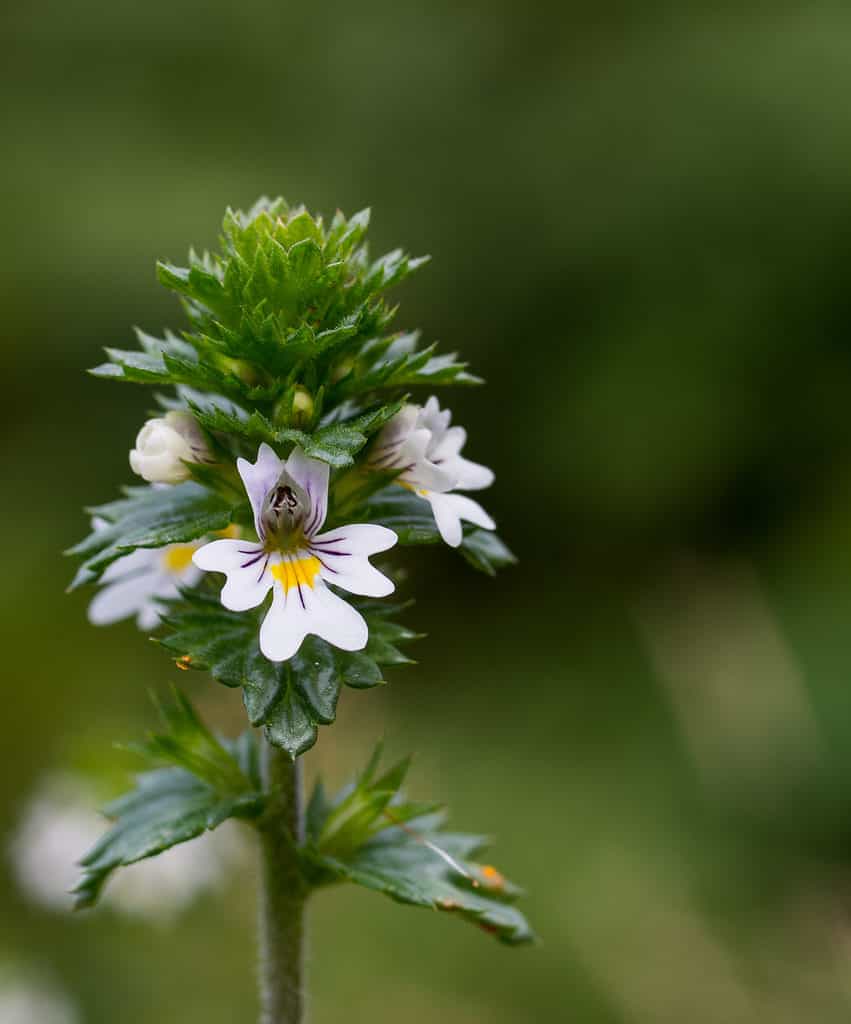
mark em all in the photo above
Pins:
pixel 164 446
pixel 133 584
pixel 290 500
pixel 420 442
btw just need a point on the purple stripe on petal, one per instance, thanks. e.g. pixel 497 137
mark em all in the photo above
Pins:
pixel 252 561
pixel 324 565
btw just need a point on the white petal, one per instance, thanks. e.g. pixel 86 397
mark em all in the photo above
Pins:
pixel 300 611
pixel 122 599
pixel 420 472
pixel 284 627
pixel 343 554
pixel 357 576
pixel 385 449
pixel 148 617
pixel 312 475
pixel 469 476
pixel 449 445
pixel 189 577
pixel 360 538
pixel 140 560
pixel 434 420
pixel 225 555
pixel 450 509
pixel 246 568
pixel 259 478
pixel 246 588
pixel 336 621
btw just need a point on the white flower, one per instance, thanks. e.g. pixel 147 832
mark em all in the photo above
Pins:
pixel 133 584
pixel 164 446
pixel 420 442
pixel 289 500
pixel 30 1002
pixel 60 826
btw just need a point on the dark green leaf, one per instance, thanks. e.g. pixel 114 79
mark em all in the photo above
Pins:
pixel 370 835
pixel 289 699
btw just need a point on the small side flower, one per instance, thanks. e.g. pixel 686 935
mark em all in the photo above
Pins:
pixel 297 562
pixel 134 584
pixel 420 442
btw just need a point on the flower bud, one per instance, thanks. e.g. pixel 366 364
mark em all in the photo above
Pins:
pixel 240 368
pixel 164 444
pixel 294 408
pixel 285 510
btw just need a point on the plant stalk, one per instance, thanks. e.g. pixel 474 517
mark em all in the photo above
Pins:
pixel 282 892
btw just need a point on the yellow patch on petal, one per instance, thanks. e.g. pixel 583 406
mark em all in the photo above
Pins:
pixel 295 572
pixel 231 532
pixel 178 558
pixel 423 493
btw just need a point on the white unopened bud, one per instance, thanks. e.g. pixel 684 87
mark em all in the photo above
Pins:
pixel 164 444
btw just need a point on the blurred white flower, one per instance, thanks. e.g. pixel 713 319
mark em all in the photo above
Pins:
pixel 420 442
pixel 24 1002
pixel 164 445
pixel 61 824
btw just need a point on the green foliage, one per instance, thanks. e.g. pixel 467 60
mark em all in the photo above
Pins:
pixel 148 517
pixel 289 699
pixel 370 834
pixel 203 782
pixel 287 300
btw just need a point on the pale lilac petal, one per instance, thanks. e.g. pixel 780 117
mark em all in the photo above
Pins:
pixel 259 478
pixel 449 511
pixel 312 475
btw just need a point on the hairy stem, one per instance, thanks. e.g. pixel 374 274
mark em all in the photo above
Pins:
pixel 282 893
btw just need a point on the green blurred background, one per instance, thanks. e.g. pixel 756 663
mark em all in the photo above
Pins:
pixel 640 219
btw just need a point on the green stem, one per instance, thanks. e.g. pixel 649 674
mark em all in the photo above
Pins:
pixel 282 893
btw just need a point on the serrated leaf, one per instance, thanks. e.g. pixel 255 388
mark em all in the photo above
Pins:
pixel 213 781
pixel 370 835
pixel 168 806
pixel 149 517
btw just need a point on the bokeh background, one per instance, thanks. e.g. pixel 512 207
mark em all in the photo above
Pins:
pixel 640 223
